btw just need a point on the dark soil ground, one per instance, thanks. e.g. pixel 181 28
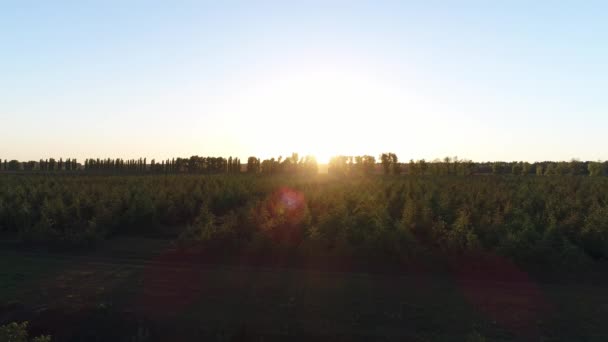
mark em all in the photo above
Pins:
pixel 143 290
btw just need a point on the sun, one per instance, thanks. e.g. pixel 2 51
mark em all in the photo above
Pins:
pixel 326 113
pixel 320 111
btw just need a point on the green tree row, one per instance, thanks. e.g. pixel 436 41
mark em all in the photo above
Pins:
pixel 528 218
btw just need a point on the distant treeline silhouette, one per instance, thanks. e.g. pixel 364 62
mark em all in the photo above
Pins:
pixel 338 165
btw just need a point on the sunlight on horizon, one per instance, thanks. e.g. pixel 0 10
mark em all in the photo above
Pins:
pixel 95 80
pixel 322 111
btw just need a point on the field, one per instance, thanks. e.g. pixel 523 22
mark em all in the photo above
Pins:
pixel 126 294
pixel 242 257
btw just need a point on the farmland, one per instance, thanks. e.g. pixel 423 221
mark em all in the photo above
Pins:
pixel 229 256
pixel 139 289
pixel 382 219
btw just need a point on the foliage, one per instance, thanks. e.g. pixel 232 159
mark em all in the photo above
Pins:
pixel 475 337
pixel 17 332
pixel 361 165
pixel 531 219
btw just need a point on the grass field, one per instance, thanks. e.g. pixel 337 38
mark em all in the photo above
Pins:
pixel 130 290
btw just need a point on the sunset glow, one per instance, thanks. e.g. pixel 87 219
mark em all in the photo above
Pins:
pixel 266 80
pixel 318 170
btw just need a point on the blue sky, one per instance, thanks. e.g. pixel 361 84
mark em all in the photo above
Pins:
pixel 485 80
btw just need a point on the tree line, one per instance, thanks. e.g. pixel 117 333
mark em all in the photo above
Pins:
pixel 292 164
pixel 339 165
pixel 390 165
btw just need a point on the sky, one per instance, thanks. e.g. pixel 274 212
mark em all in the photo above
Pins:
pixel 481 80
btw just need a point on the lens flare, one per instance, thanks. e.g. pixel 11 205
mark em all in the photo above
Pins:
pixel 282 215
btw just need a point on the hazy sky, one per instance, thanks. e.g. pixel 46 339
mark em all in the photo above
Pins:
pixel 485 80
